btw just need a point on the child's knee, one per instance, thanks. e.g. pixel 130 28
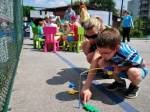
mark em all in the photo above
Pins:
pixel 134 74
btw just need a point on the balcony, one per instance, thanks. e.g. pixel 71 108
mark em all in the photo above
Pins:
pixel 143 2
pixel 144 8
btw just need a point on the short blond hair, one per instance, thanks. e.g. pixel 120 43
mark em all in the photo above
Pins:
pixel 94 22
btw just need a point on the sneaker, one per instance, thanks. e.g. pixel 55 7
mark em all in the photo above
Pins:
pixel 117 86
pixel 132 91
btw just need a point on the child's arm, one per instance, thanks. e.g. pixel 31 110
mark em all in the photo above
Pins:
pixel 94 64
pixel 86 93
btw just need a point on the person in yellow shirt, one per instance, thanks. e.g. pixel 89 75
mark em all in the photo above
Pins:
pixel 84 15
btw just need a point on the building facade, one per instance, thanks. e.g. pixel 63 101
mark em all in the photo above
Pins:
pixel 133 8
pixel 144 9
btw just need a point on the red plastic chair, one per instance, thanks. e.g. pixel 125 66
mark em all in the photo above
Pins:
pixel 49 33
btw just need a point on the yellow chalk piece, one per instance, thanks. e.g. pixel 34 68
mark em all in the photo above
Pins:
pixel 109 73
pixel 72 91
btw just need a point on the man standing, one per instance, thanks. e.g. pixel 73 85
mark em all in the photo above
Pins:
pixel 127 24
pixel 69 12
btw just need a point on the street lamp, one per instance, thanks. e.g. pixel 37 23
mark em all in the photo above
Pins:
pixel 121 8
pixel 71 2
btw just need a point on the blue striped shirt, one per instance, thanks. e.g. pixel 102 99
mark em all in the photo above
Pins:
pixel 127 56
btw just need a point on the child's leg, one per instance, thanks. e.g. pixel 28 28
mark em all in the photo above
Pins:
pixel 135 75
pixel 65 39
pixel 118 83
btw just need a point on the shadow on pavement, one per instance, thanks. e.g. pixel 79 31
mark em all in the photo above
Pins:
pixel 99 92
pixel 107 97
pixel 66 75
pixel 64 96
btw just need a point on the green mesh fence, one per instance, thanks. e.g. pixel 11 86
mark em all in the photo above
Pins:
pixel 10 46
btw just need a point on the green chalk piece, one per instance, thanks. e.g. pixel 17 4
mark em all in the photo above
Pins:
pixel 90 108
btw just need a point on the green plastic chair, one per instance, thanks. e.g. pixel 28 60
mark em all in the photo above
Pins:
pixel 40 40
pixel 35 33
pixel 81 32
pixel 75 45
pixel 37 41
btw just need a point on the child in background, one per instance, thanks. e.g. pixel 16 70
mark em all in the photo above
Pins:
pixel 66 32
pixel 40 29
pixel 74 21
pixel 74 26
pixel 46 21
pixel 126 61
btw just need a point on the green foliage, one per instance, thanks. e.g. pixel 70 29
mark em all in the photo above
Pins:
pixel 138 23
pixel 26 10
pixel 146 26
pixel 135 33
pixel 142 26
pixel 106 5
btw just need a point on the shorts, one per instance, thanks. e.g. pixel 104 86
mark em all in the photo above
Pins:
pixel 144 72
pixel 70 38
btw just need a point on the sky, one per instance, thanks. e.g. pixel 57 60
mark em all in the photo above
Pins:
pixel 57 3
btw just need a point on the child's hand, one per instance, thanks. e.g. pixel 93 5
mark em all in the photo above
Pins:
pixel 86 94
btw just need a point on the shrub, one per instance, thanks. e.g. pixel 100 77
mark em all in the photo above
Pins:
pixel 136 33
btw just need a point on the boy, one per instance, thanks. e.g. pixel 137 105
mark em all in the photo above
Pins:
pixel 126 61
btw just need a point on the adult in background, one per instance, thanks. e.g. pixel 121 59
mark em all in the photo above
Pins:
pixel 69 12
pixel 127 24
pixel 84 15
pixel 46 21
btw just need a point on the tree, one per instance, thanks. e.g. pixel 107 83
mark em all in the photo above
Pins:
pixel 26 10
pixel 106 5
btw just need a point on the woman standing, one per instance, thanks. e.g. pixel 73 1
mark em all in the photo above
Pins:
pixel 127 24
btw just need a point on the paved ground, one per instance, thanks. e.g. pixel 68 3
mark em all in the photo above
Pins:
pixel 42 81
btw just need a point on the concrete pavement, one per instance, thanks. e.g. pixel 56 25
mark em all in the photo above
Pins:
pixel 42 81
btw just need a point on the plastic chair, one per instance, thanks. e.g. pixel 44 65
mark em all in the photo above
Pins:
pixel 49 33
pixel 37 40
pixel 79 35
pixel 81 32
pixel 74 28
pixel 40 40
pixel 35 33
